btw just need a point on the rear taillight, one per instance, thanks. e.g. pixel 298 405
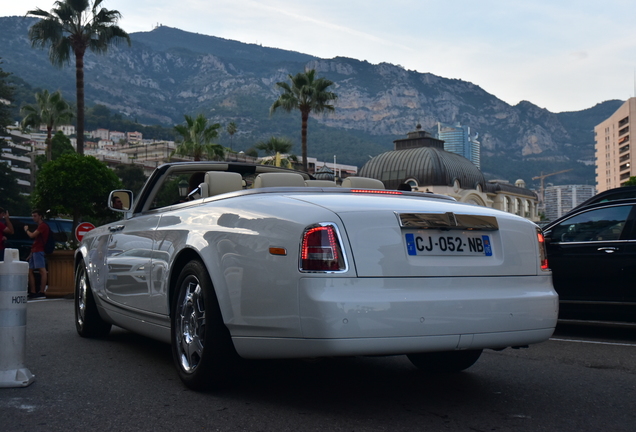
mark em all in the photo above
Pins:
pixel 321 250
pixel 543 255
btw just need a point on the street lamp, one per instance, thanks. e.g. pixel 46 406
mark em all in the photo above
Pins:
pixel 183 188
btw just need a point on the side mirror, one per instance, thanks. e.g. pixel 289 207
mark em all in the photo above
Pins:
pixel 120 200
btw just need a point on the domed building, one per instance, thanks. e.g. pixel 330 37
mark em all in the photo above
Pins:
pixel 421 162
pixel 324 173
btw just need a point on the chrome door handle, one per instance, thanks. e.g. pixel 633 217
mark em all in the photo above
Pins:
pixel 116 228
pixel 608 250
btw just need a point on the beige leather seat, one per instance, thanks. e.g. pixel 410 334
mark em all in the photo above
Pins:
pixel 362 183
pixel 220 182
pixel 320 183
pixel 279 180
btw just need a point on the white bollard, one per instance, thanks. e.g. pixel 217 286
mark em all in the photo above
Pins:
pixel 13 315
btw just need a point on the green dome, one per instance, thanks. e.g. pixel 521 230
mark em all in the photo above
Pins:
pixel 428 166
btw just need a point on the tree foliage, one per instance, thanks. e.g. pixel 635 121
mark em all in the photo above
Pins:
pixel 196 139
pixel 71 28
pixel 51 110
pixel 275 145
pixel 12 199
pixel 131 176
pixel 60 145
pixel 231 129
pixel 76 185
pixel 630 182
pixel 307 94
pixel 6 98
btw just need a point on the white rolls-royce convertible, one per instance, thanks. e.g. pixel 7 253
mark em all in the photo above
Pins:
pixel 230 260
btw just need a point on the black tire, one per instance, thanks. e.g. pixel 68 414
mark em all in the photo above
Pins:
pixel 447 361
pixel 88 322
pixel 202 348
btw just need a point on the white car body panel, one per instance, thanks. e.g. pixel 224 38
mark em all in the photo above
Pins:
pixel 386 302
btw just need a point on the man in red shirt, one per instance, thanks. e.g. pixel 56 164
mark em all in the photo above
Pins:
pixel 36 258
pixel 5 228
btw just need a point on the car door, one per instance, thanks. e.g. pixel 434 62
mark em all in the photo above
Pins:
pixel 129 261
pixel 592 254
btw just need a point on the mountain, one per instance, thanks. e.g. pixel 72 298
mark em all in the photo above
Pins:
pixel 167 73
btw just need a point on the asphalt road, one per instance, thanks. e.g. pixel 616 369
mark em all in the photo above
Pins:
pixel 582 380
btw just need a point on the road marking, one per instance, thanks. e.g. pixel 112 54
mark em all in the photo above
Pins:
pixel 593 342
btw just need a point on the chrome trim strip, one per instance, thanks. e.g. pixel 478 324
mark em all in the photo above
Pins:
pixel 598 302
pixel 625 324
pixel 590 242
pixel 447 221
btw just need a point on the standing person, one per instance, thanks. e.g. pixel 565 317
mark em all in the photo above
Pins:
pixel 6 228
pixel 36 257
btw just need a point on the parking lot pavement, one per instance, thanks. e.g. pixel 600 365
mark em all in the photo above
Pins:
pixel 128 383
pixel 78 381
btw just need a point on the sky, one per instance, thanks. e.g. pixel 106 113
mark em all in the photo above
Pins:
pixel 561 55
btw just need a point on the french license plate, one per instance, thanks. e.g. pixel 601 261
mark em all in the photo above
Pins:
pixel 448 244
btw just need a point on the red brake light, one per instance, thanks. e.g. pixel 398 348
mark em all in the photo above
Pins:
pixel 320 250
pixel 543 255
pixel 374 191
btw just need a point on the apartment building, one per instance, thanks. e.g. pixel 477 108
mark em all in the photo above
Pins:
pixel 614 157
pixel 458 139
pixel 561 199
pixel 134 137
pixel 67 130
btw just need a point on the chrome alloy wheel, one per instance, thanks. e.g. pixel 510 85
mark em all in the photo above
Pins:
pixel 190 324
pixel 82 287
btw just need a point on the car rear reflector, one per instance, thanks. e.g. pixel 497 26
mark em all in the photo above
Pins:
pixel 321 250
pixel 543 255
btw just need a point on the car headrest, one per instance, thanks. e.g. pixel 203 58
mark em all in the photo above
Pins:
pixel 279 179
pixel 362 182
pixel 220 182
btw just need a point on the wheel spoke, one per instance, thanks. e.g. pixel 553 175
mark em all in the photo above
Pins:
pixel 81 299
pixel 190 325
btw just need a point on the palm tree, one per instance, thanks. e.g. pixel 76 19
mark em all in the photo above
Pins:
pixel 307 94
pixel 275 145
pixel 231 130
pixel 51 110
pixel 197 139
pixel 73 26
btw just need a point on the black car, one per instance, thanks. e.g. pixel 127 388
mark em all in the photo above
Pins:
pixel 61 229
pixel 592 254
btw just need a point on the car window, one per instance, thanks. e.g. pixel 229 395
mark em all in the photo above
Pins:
pixel 61 230
pixel 595 225
pixel 18 228
pixel 175 187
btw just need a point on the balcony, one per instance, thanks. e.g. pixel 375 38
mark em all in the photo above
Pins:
pixel 13 157
pixel 19 170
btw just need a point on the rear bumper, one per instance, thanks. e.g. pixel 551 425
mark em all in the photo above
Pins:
pixel 276 348
pixel 373 316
